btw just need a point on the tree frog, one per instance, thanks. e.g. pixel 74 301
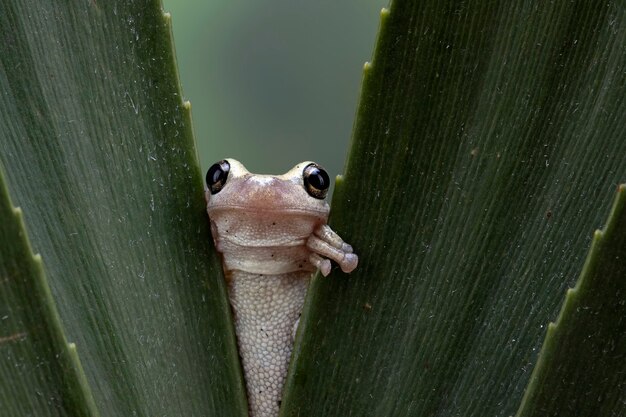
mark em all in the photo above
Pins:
pixel 272 234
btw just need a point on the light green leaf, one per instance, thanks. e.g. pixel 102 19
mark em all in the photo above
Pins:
pixel 488 143
pixel 97 147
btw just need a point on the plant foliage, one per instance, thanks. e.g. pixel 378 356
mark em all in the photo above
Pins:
pixel 488 143
pixel 97 147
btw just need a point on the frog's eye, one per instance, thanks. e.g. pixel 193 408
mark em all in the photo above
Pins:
pixel 217 175
pixel 316 181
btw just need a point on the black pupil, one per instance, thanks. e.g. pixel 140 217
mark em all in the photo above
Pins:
pixel 318 179
pixel 214 175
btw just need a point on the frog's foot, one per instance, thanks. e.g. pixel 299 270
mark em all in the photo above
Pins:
pixel 320 263
pixel 325 243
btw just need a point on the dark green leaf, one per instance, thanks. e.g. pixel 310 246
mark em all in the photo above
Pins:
pixel 489 140
pixel 40 374
pixel 584 351
pixel 97 147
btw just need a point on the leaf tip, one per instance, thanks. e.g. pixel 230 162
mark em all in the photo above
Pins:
pixel 187 105
pixel 367 66
pixel 339 181
pixel 384 12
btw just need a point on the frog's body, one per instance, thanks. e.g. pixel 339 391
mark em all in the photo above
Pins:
pixel 273 235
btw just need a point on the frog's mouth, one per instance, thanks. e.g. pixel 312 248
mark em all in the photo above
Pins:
pixel 253 210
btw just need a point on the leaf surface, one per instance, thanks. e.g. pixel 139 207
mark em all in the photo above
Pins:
pixel 488 143
pixel 40 373
pixel 581 368
pixel 97 147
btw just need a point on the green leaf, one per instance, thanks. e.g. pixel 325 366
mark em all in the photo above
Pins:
pixel 489 140
pixel 97 147
pixel 488 143
pixel 41 374
pixel 583 353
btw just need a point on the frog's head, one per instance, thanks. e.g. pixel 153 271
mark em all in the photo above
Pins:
pixel 273 224
pixel 302 190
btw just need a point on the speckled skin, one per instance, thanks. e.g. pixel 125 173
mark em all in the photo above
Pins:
pixel 266 308
pixel 272 235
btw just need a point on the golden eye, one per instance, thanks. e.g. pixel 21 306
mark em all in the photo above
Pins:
pixel 217 175
pixel 316 181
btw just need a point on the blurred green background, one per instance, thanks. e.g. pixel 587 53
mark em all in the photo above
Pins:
pixel 273 82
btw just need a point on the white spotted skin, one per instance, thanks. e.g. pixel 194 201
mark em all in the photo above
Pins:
pixel 265 309
pixel 272 236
